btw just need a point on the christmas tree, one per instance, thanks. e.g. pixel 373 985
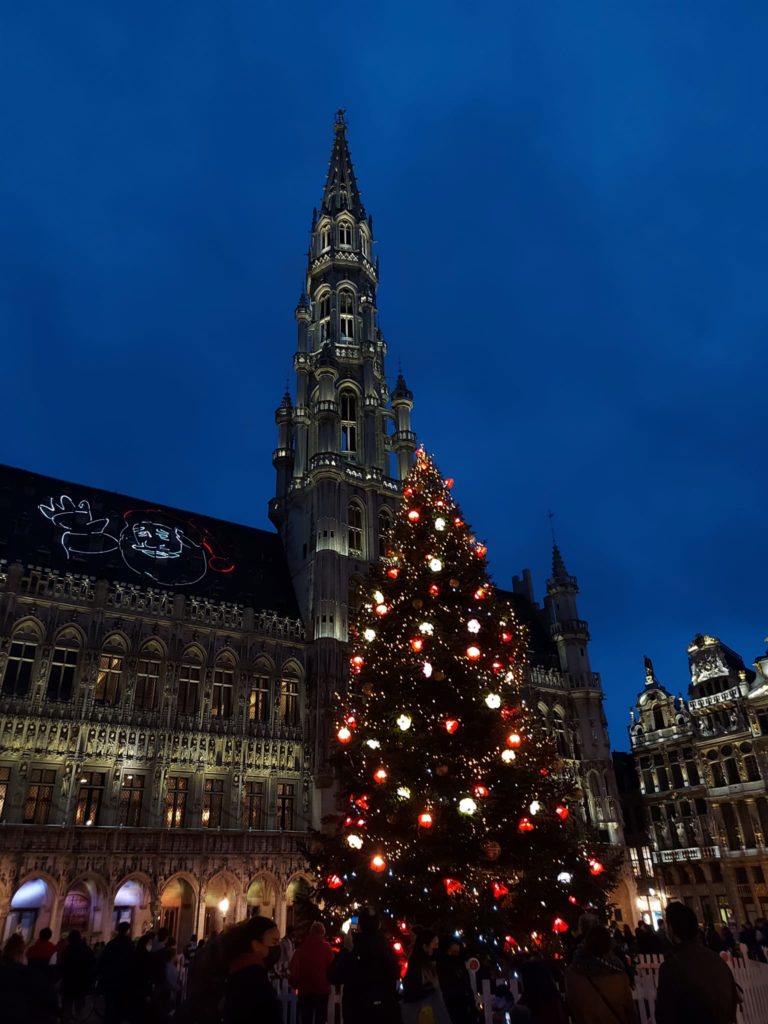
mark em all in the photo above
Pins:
pixel 454 810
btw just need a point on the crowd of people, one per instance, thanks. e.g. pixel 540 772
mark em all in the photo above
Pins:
pixel 418 977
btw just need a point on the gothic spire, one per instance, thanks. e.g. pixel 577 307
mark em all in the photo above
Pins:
pixel 341 191
pixel 559 572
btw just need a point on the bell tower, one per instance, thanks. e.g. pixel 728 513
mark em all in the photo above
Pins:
pixel 344 444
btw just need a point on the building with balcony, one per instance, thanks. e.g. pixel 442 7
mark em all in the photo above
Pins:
pixel 168 681
pixel 702 764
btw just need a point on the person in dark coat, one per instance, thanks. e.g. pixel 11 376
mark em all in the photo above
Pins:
pixel 455 983
pixel 77 970
pixel 694 982
pixel 250 950
pixel 369 971
pixel 27 996
pixel 421 984
pixel 114 975
pixel 596 983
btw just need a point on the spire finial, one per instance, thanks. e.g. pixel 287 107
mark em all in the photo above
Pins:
pixel 551 518
pixel 340 124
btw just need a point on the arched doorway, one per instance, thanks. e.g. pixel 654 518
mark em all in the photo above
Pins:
pixel 31 909
pixel 85 909
pixel 132 904
pixel 221 907
pixel 261 897
pixel 177 909
pixel 298 910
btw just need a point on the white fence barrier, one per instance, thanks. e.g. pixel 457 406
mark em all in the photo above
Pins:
pixel 751 977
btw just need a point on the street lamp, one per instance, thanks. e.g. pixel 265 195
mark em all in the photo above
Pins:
pixel 223 910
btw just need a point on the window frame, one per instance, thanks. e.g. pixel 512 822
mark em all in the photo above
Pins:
pixel 289 708
pixel 66 658
pixel 177 791
pixel 90 795
pixel 355 529
pixel 22 660
pixel 44 780
pixel 285 804
pixel 131 799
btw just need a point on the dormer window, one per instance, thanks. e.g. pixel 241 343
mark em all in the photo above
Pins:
pixel 347 314
pixel 345 234
pixel 324 317
pixel 325 237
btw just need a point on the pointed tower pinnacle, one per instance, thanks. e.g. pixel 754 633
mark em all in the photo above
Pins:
pixel 559 572
pixel 341 191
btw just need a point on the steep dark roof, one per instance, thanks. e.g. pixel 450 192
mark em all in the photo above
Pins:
pixel 70 527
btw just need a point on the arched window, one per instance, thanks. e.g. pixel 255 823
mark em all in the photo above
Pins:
pixel 385 525
pixel 109 675
pixel 258 698
pixel 325 237
pixel 324 316
pixel 731 771
pixel 348 421
pixel 558 733
pixel 751 768
pixel 345 234
pixel 718 779
pixel 190 681
pixel 21 660
pixel 365 244
pixel 355 529
pixel 61 675
pixel 347 314
pixel 658 717
pixel 289 698
pixel 148 677
pixel 222 695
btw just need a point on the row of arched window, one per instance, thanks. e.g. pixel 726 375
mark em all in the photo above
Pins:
pixel 265 696
pixel 346 306
pixel 342 234
pixel 356 530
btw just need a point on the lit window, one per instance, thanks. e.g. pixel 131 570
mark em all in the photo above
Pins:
pixel 223 688
pixel 345 234
pixel 325 237
pixel 635 858
pixel 147 684
pixel 289 701
pixel 213 803
pixel 18 671
pixel 89 798
pixel 37 805
pixel 188 698
pixel 324 317
pixel 349 421
pixel 61 677
pixel 365 245
pixel 176 791
pixel 108 677
pixel 355 529
pixel 347 314
pixel 131 797
pixel 647 860
pixel 285 805
pixel 258 700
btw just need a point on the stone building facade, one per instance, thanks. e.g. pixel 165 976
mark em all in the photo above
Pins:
pixel 167 681
pixel 702 763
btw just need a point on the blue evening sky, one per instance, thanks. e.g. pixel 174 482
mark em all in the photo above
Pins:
pixel 571 213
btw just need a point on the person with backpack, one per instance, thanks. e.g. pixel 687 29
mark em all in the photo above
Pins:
pixel 308 974
pixel 694 982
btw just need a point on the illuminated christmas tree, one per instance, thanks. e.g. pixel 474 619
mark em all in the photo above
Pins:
pixel 454 807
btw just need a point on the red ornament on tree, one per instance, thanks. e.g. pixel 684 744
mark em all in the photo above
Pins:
pixel 434 590
pixel 378 863
pixel 452 886
pixel 380 775
pixel 595 867
pixel 525 825
pixel 344 734
pixel 393 573
pixel 414 515
pixel 417 644
pixel 506 637
pixel 559 926
pixel 451 724
pixel 481 550
pixel 333 882
pixel 514 740
pixel 448 483
pixel 499 890
pixel 473 653
pixel 480 790
pixel 562 812
pixel 480 594
pixel 425 819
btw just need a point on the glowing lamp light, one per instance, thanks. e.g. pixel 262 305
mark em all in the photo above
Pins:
pixel 380 775
pixel 357 662
pixel 373 744
pixel 378 863
pixel 499 890
pixel 481 550
pixel 595 867
pixel 562 812
pixel 493 700
pixel 427 669
pixel 480 594
pixel 425 819
pixel 573 900
pixel 451 724
pixel 393 573
pixel 514 740
pixel 381 609
pixel 344 734
pixel 565 878
pixel 458 521
pixel 404 722
pixel 414 515
pixel 369 634
pixel 333 882
pixel 497 666
pixel 378 597
pixel 426 628
pixel 467 805
pixel 473 626
pixel 525 825
pixel 506 637
pixel 354 841
pixel 435 564
pixel 440 524
pixel 480 791
pixel 534 807
pixel 448 483
pixel 559 926
pixel 452 886
pixel 507 756
pixel 404 793
pixel 417 644
pixel 473 653
pixel 434 590
pixel 360 801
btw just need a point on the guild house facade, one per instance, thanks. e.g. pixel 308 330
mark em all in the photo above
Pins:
pixel 167 680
